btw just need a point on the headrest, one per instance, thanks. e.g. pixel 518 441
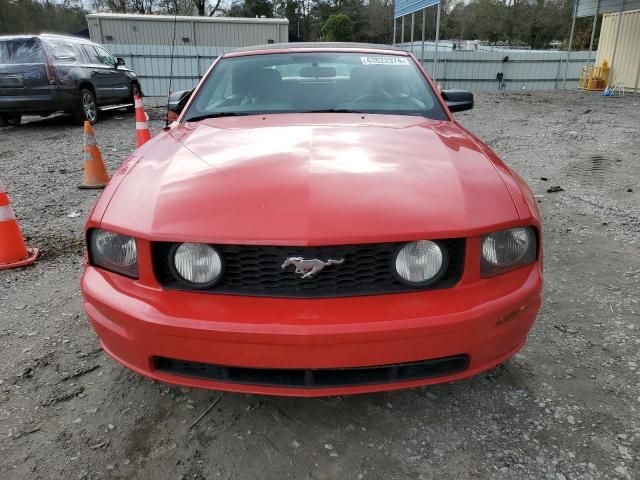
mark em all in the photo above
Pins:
pixel 266 79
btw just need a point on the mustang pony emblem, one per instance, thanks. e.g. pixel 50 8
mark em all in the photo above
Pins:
pixel 309 268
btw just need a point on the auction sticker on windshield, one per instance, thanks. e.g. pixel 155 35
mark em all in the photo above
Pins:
pixel 384 60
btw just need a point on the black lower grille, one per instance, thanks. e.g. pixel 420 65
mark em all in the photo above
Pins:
pixel 315 378
pixel 257 270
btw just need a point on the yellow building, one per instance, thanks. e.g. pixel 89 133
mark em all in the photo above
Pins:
pixel 618 52
pixel 623 56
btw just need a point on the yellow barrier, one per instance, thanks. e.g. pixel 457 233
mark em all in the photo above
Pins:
pixel 594 78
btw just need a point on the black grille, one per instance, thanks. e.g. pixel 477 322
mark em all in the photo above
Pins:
pixel 257 270
pixel 315 378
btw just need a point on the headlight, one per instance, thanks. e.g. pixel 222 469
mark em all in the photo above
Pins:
pixel 420 263
pixel 114 252
pixel 197 264
pixel 508 249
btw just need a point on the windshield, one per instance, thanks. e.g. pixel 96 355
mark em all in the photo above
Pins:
pixel 315 82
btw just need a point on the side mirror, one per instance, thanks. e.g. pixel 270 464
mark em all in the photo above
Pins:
pixel 119 62
pixel 178 100
pixel 458 100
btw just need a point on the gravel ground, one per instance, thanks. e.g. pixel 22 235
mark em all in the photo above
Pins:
pixel 566 407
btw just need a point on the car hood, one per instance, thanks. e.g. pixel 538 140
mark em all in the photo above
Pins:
pixel 327 179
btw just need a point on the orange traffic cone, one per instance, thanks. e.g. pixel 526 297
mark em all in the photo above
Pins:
pixel 142 128
pixel 13 251
pixel 95 173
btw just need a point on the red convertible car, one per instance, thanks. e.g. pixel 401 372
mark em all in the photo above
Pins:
pixel 314 222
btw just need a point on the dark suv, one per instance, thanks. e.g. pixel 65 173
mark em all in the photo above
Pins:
pixel 43 74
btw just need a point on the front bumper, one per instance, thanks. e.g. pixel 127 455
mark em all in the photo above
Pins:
pixel 486 320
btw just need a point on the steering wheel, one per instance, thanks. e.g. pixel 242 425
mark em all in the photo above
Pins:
pixel 258 99
pixel 377 97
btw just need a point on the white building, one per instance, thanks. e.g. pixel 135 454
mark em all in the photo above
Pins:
pixel 124 29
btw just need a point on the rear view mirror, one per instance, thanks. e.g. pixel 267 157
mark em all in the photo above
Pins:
pixel 458 100
pixel 120 62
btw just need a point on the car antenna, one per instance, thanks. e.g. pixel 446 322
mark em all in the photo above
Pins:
pixel 173 46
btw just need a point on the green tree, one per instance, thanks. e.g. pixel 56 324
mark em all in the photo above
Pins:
pixel 33 16
pixel 251 8
pixel 337 28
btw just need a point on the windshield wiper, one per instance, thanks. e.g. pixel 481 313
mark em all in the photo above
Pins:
pixel 215 115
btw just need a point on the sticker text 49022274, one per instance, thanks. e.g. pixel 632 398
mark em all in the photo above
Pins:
pixel 384 60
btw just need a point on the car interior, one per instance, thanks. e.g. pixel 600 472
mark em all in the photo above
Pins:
pixel 308 84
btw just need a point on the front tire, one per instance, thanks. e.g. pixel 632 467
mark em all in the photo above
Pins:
pixel 87 107
pixel 135 90
pixel 10 119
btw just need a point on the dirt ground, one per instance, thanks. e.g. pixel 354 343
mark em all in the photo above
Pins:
pixel 566 407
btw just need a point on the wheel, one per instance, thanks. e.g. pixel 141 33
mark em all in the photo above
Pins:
pixel 10 119
pixel 87 107
pixel 135 90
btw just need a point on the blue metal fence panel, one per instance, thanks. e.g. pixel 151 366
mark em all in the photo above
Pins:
pixel 470 70
pixel 587 8
pixel 520 69
pixel 405 7
pixel 152 63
